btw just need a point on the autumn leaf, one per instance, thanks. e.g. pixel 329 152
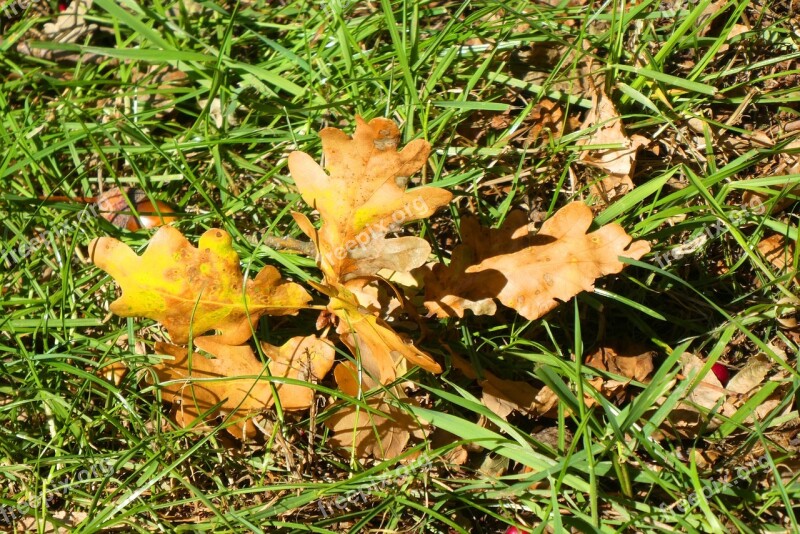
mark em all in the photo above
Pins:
pixel 618 163
pixel 236 383
pixel 529 273
pixel 378 346
pixel 633 366
pixel 504 397
pixel 363 197
pixel 360 199
pixel 194 289
pixel 382 431
pixel 69 27
pixel 778 251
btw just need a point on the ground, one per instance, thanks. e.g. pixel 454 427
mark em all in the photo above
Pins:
pixel 678 121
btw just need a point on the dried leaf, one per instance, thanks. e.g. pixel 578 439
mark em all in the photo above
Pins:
pixel 751 376
pixel 686 419
pixel 378 346
pixel 70 27
pixel 364 197
pixel 56 522
pixel 537 271
pixel 778 251
pixel 506 396
pixel 197 289
pixel 637 367
pixel 382 431
pixel 237 381
pixel 619 163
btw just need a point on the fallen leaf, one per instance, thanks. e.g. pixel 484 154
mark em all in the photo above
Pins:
pixel 364 197
pixel 537 271
pixel 194 290
pixel 378 347
pixel 236 383
pixel 691 415
pixel 506 396
pixel 70 26
pixel 637 367
pixel 382 431
pixel 55 522
pixel 778 251
pixel 618 163
pixel 751 376
pixel 757 201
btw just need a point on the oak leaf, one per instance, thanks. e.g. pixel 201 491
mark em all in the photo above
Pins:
pixel 529 273
pixel 381 431
pixel 363 197
pixel 634 366
pixel 379 348
pixel 618 163
pixel 506 396
pixel 236 383
pixel 193 290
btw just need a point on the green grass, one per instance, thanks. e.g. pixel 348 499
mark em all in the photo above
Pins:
pixel 283 70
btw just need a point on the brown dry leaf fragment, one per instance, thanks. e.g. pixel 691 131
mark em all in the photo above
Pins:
pixel 456 455
pixel 778 251
pixel 757 201
pixel 506 396
pixel 379 348
pixel 238 380
pixel 619 163
pixel 56 522
pixel 382 431
pixel 751 375
pixel 70 27
pixel 197 289
pixel 686 419
pixel 538 271
pixel 364 197
pixel 636 367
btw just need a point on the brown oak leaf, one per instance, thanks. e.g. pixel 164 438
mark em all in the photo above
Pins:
pixel 363 197
pixel 379 348
pixel 619 163
pixel 382 431
pixel 235 383
pixel 529 273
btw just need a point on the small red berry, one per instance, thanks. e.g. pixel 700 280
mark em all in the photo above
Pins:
pixel 513 530
pixel 721 373
pixel 62 6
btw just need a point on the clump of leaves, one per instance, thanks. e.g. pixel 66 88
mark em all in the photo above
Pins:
pixel 361 197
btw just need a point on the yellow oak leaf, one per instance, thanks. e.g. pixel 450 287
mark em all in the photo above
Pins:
pixel 236 383
pixel 529 273
pixel 379 348
pixel 194 290
pixel 381 431
pixel 363 197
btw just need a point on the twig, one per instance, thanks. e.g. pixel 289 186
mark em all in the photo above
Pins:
pixel 307 248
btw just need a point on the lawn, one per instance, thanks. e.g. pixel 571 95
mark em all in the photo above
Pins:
pixel 663 400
